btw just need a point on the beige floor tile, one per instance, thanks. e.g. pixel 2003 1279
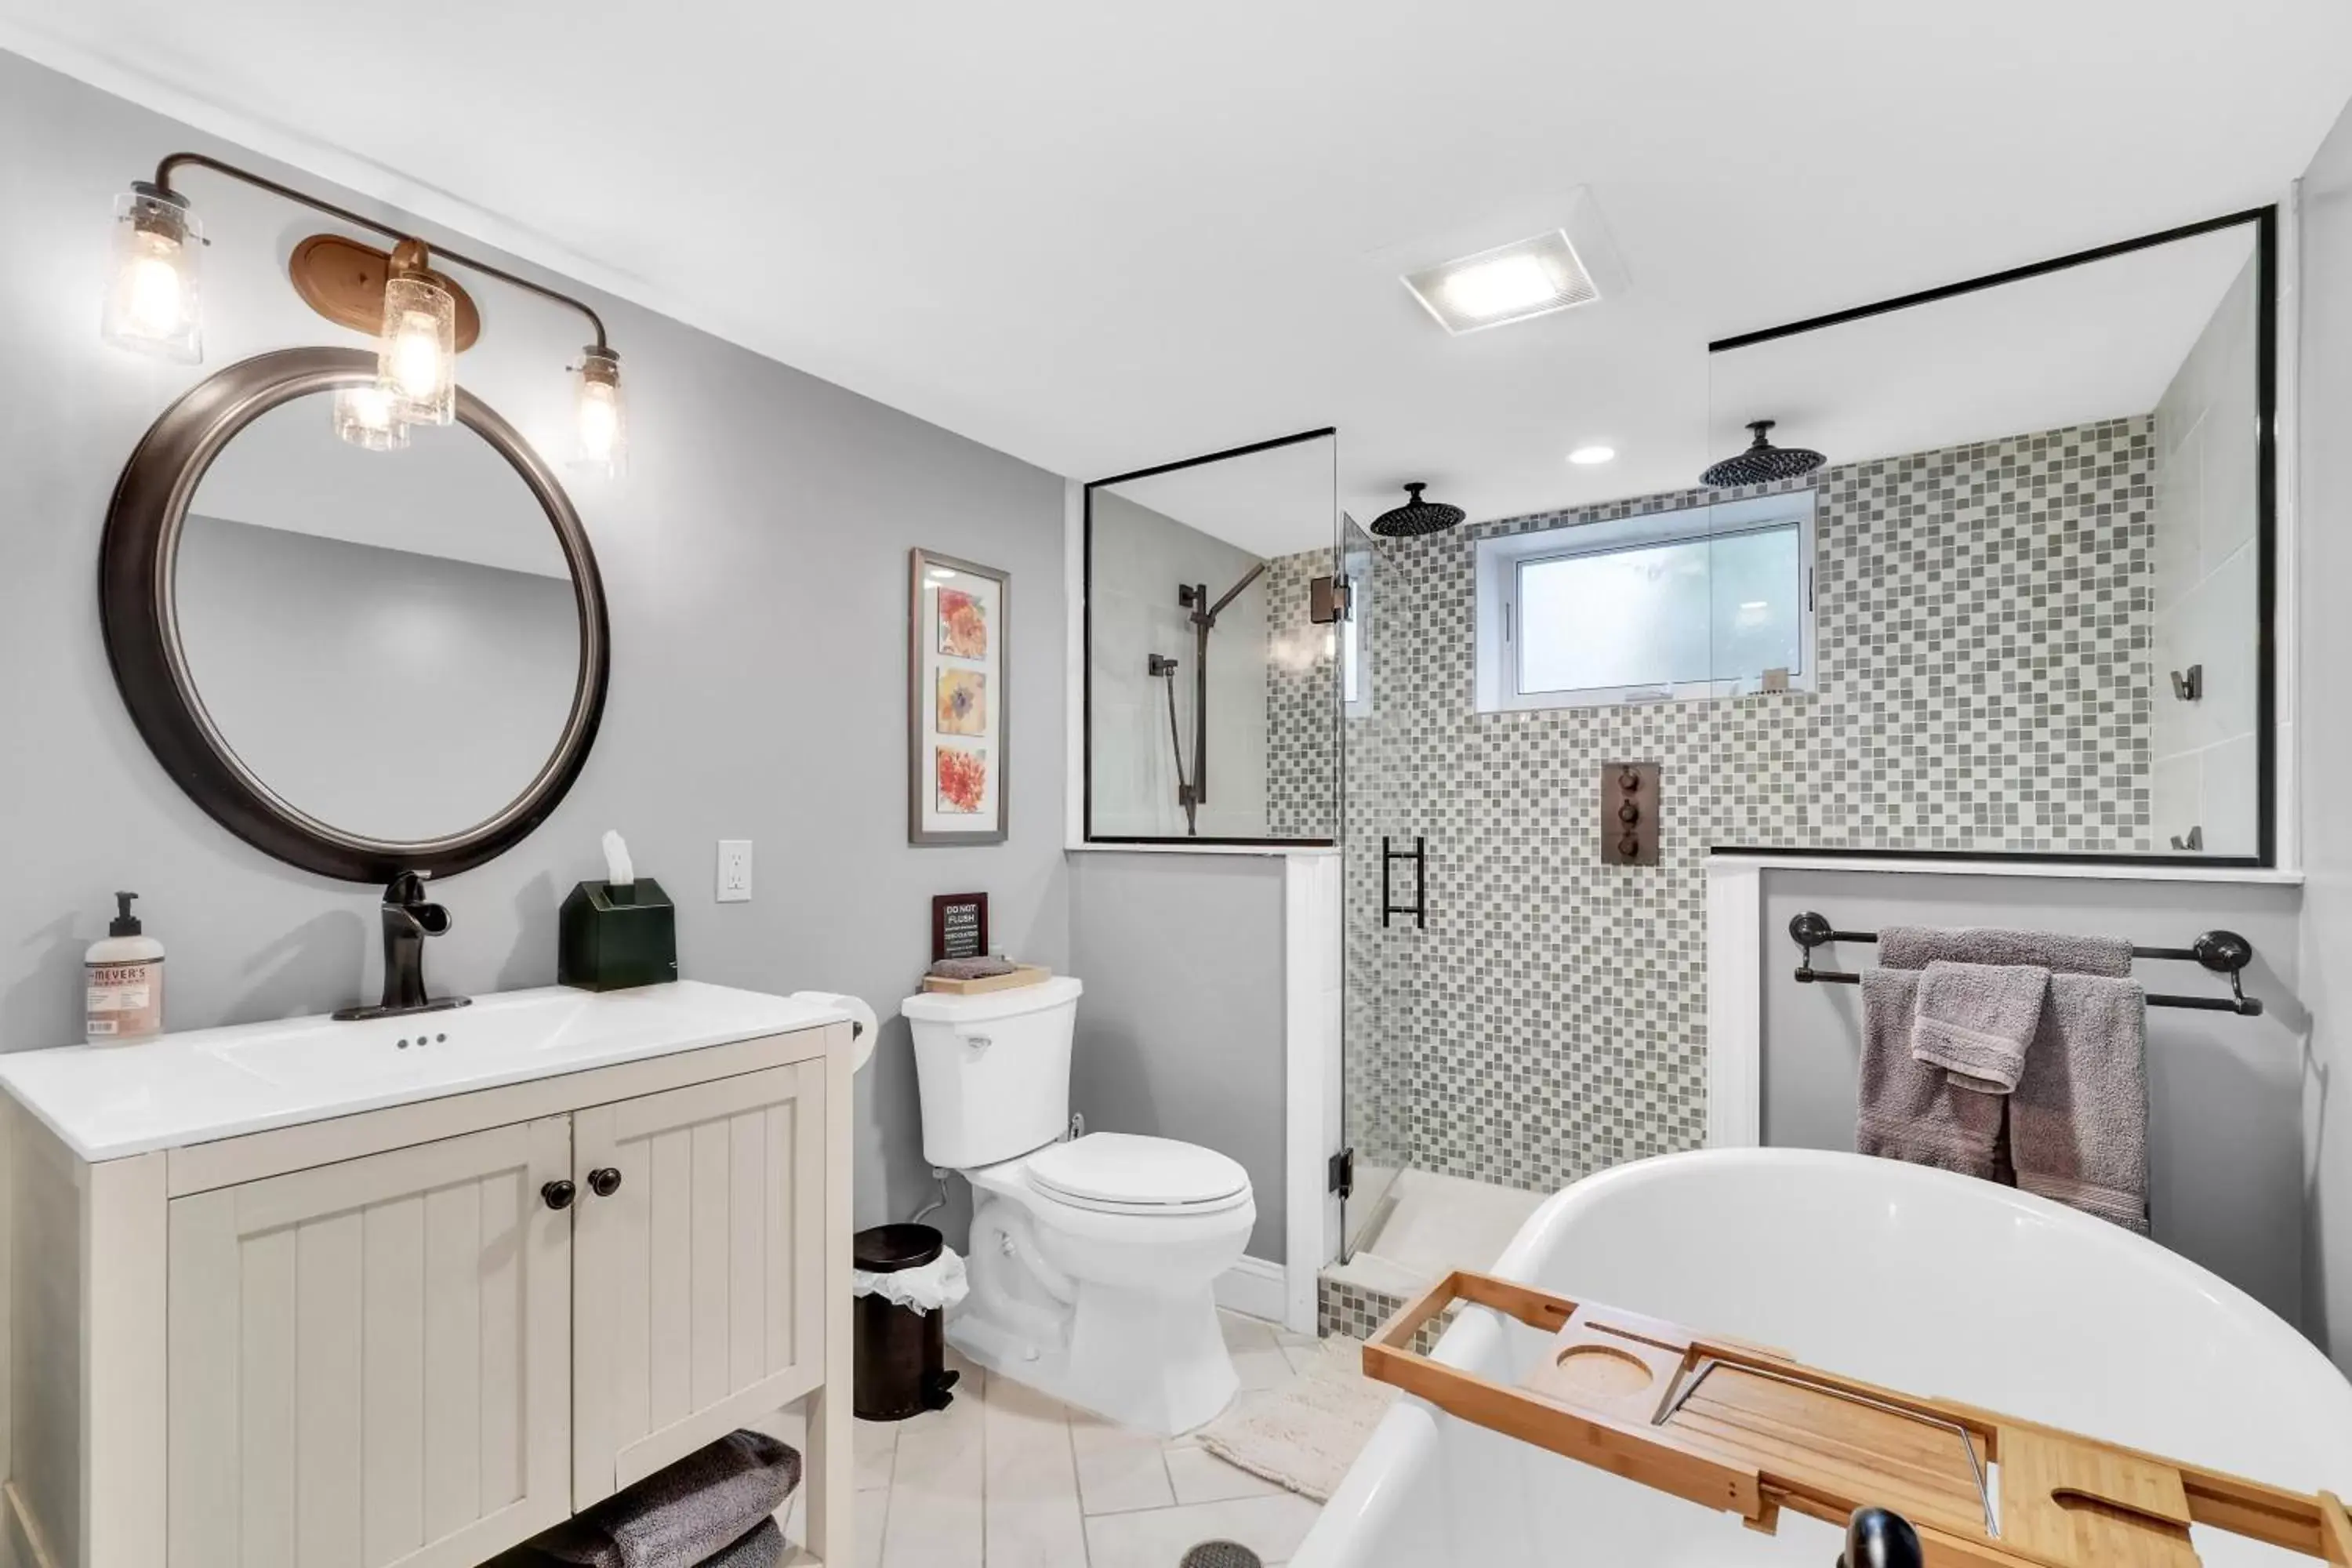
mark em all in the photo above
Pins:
pixel 1196 1475
pixel 1244 1334
pixel 1270 1526
pixel 1118 1469
pixel 1035 1532
pixel 937 1484
pixel 1262 1366
pixel 875 1443
pixel 873 1520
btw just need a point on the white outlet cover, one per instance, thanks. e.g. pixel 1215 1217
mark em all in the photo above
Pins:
pixel 734 870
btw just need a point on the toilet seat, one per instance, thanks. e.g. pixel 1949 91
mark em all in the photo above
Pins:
pixel 1121 1173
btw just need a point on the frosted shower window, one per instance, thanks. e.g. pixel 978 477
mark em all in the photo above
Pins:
pixel 1689 604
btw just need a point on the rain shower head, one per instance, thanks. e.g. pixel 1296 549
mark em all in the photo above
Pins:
pixel 1417 516
pixel 1762 462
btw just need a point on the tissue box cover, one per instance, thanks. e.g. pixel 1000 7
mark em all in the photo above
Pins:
pixel 613 937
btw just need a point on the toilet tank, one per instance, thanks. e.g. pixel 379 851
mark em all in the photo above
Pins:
pixel 993 1070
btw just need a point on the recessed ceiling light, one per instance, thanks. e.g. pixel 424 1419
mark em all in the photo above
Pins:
pixel 1509 283
pixel 1588 456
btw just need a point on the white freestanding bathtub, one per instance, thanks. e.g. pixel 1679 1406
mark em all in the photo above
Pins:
pixel 1932 1283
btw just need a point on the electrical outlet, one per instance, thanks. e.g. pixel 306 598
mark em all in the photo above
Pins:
pixel 734 870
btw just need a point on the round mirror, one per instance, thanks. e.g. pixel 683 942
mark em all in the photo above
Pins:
pixel 361 661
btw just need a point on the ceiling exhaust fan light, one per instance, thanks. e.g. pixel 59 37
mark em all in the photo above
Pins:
pixel 151 296
pixel 1586 457
pixel 604 416
pixel 369 418
pixel 416 360
pixel 1509 283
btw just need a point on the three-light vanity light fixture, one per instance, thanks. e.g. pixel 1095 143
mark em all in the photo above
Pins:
pixel 421 318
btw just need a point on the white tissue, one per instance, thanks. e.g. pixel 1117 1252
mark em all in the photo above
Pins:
pixel 861 1016
pixel 617 870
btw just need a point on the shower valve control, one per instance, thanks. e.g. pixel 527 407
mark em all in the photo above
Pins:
pixel 1629 813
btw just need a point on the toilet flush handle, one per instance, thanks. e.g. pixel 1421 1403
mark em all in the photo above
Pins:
pixel 978 1043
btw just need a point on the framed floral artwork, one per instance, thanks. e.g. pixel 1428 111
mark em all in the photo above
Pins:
pixel 956 725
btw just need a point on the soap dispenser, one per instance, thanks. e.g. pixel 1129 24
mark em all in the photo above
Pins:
pixel 123 979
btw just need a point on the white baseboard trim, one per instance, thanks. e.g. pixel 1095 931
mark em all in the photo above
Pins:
pixel 1253 1287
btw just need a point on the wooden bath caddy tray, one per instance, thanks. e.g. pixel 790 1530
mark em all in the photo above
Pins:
pixel 1751 1430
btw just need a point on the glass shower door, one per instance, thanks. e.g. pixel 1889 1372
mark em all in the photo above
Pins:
pixel 1375 993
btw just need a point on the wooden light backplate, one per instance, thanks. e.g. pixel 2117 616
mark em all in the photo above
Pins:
pixel 342 280
pixel 1763 1432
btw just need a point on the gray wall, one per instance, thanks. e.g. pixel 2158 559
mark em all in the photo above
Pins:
pixel 2224 1152
pixel 1181 1033
pixel 308 651
pixel 755 559
pixel 2324 652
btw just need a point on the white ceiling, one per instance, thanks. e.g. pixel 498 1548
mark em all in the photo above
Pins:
pixel 1104 236
pixel 2096 342
pixel 1274 502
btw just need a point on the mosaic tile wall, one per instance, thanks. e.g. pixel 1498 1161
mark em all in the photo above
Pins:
pixel 1301 711
pixel 1985 684
pixel 1357 1312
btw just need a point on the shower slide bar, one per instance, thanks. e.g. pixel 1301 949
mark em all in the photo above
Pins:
pixel 2222 951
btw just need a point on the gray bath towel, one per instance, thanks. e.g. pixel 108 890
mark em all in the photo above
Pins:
pixel 762 1548
pixel 1908 1108
pixel 2078 1121
pixel 1916 947
pixel 709 1502
pixel 1976 1020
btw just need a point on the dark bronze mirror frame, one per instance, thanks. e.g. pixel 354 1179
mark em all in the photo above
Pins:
pixel 135 571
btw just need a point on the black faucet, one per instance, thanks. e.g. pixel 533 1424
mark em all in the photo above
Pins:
pixel 408 919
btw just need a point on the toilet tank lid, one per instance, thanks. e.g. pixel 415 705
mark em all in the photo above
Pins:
pixel 946 1007
pixel 1124 1168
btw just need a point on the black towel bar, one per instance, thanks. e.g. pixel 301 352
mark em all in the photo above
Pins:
pixel 2222 951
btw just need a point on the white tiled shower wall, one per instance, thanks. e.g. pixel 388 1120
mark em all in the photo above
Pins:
pixel 2202 763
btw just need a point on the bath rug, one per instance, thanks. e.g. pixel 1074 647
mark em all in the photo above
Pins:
pixel 1304 1434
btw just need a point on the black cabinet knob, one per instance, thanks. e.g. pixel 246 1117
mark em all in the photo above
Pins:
pixel 604 1180
pixel 1629 813
pixel 558 1194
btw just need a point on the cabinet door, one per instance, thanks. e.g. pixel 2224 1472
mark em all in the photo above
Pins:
pixel 371 1361
pixel 698 1282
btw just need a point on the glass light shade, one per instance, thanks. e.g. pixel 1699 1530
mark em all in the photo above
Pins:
pixel 369 417
pixel 604 416
pixel 416 360
pixel 150 294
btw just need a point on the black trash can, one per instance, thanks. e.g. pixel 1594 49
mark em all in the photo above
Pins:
pixel 902 1354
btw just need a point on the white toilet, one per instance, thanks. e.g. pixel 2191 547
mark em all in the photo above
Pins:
pixel 1092 1258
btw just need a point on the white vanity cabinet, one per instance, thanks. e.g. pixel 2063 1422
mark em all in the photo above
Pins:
pixel 420 1333
pixel 368 1360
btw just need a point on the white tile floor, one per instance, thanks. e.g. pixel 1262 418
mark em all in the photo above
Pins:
pixel 1006 1478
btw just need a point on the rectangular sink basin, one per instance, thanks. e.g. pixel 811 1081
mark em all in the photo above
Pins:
pixel 493 1032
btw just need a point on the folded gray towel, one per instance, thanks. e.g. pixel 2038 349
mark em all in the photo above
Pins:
pixel 1916 947
pixel 2078 1120
pixel 1976 1020
pixel 1909 1110
pixel 764 1547
pixel 678 1517
pixel 972 968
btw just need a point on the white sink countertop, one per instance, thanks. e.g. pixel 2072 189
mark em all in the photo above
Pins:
pixel 110 1101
